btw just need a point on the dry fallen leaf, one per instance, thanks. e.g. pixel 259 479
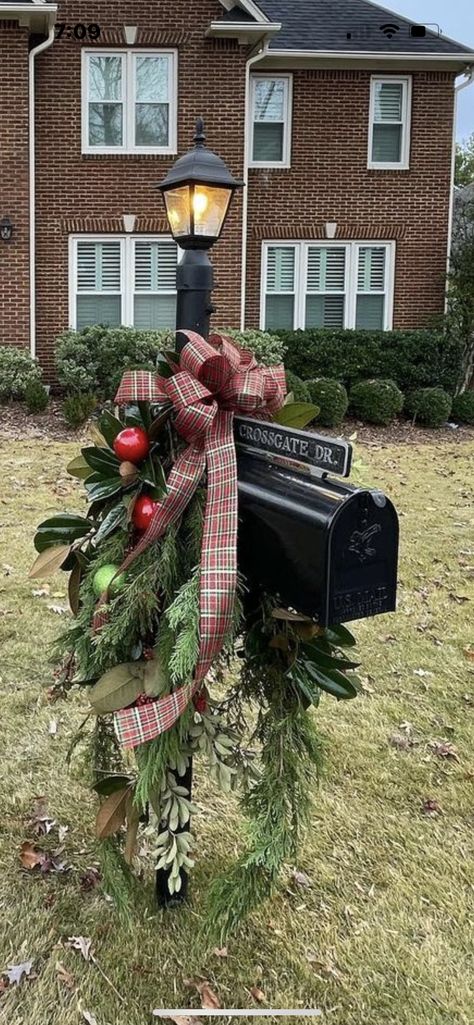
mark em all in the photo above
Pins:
pixel 443 749
pixel 258 995
pixel 178 1019
pixel 64 976
pixel 301 879
pixel 89 879
pixel 89 1018
pixel 83 944
pixel 41 821
pixel 31 857
pixel 16 972
pixel 431 807
pixel 209 999
pixel 221 952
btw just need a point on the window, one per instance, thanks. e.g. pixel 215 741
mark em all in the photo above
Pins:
pixel 129 101
pixel 127 280
pixel 270 121
pixel 389 131
pixel 331 285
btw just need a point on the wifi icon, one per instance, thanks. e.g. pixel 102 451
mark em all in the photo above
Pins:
pixel 390 30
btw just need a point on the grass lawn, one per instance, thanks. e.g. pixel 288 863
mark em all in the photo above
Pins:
pixel 384 935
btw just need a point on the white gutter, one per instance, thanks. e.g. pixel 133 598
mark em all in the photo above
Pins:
pixel 32 170
pixel 469 79
pixel 461 57
pixel 245 200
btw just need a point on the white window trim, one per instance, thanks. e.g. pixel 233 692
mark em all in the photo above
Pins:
pixel 127 273
pixel 287 123
pixel 128 101
pixel 404 163
pixel 301 264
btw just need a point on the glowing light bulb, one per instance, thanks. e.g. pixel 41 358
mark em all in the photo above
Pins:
pixel 200 203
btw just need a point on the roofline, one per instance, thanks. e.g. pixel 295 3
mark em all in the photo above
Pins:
pixel 410 21
pixel 367 58
pixel 33 15
pixel 243 30
pixel 249 6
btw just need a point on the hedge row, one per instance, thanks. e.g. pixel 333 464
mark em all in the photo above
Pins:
pixel 413 359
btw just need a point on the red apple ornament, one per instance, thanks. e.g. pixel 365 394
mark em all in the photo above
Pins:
pixel 143 512
pixel 132 445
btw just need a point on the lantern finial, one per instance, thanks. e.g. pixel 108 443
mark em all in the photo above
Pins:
pixel 200 138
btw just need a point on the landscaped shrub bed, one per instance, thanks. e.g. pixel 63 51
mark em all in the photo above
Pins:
pixel 332 399
pixel 17 371
pixel 429 406
pixel 413 359
pixel 297 387
pixel 376 401
pixel 463 408
pixel 93 360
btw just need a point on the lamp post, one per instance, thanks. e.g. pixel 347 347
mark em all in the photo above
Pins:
pixel 197 192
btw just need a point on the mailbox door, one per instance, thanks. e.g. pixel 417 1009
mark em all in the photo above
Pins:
pixel 363 558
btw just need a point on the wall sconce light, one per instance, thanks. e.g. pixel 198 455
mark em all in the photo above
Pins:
pixel 129 221
pixel 6 229
pixel 331 228
pixel 130 32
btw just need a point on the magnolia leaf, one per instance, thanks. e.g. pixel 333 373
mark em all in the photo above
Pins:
pixel 296 414
pixel 110 426
pixel 340 636
pixel 159 421
pixel 117 688
pixel 110 784
pixel 74 586
pixel 115 518
pixel 102 460
pixel 99 488
pixel 97 437
pixel 291 617
pixel 133 821
pixel 50 561
pixel 332 681
pixel 62 529
pixel 156 678
pixel 79 468
pixel 111 814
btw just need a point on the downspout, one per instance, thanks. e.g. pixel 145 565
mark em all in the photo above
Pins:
pixel 245 201
pixel 32 170
pixel 469 79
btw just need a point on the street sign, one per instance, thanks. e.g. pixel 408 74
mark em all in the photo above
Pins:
pixel 262 438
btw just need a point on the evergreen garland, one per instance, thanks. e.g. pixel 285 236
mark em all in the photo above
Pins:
pixel 149 645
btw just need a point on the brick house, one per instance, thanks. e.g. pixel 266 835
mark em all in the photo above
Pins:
pixel 338 115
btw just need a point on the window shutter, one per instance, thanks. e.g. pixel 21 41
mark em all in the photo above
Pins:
pixel 280 269
pixel 86 266
pixel 389 101
pixel 109 267
pixel 371 269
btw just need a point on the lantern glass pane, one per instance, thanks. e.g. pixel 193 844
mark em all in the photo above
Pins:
pixel 210 205
pixel 178 209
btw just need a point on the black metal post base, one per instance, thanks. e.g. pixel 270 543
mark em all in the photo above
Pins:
pixel 194 283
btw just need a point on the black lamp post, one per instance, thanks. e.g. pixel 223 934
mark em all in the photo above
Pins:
pixel 197 192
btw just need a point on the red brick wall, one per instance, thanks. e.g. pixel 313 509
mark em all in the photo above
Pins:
pixel 79 193
pixel 329 181
pixel 14 202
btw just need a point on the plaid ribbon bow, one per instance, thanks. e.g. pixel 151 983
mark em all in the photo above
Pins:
pixel 215 380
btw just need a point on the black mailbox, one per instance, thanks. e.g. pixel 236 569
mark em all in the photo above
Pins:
pixel 327 548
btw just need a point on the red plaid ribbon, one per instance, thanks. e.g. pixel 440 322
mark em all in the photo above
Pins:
pixel 215 380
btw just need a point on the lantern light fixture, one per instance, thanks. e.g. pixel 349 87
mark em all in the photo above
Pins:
pixel 197 192
pixel 6 229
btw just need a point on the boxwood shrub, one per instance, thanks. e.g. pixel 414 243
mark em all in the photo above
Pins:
pixel 429 406
pixel 332 399
pixel 299 388
pixel 268 349
pixel 413 359
pixel 94 359
pixel 376 401
pixel 463 408
pixel 17 371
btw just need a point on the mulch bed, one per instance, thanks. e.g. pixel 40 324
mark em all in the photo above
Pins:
pixel 17 423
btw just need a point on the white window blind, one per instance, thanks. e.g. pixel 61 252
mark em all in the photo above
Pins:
pixel 270 120
pixel 325 287
pixel 129 101
pixel 280 287
pixel 99 296
pixel 155 285
pixel 389 128
pixel 371 287
pixel 338 285
pixel 127 280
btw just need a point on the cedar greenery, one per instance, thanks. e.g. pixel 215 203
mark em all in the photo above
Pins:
pixel 149 645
